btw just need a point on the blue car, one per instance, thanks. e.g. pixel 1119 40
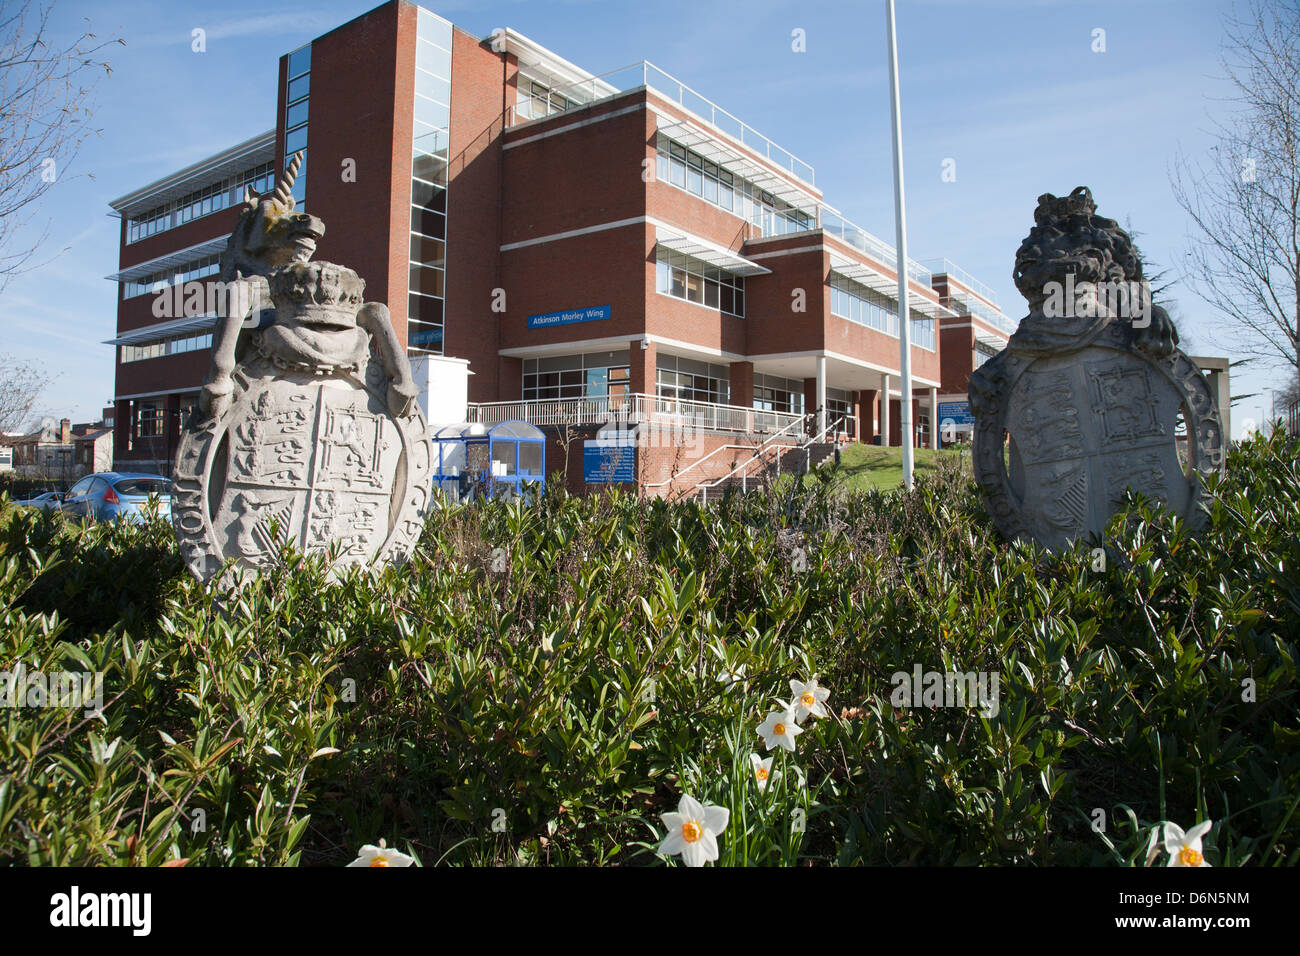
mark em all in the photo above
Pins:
pixel 111 494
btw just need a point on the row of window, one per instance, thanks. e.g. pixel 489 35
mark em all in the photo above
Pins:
pixel 685 277
pixel 690 171
pixel 177 275
pixel 592 383
pixel 201 202
pixel 857 303
pixel 171 345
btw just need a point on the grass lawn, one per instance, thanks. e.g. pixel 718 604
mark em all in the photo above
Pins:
pixel 867 467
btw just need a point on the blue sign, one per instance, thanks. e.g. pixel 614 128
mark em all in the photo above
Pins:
pixel 604 462
pixel 569 316
pixel 956 412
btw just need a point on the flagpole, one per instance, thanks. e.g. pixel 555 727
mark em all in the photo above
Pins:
pixel 900 224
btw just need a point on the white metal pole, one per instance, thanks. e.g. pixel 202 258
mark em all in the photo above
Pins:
pixel 900 224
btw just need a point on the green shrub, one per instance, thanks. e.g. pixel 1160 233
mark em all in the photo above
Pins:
pixel 542 681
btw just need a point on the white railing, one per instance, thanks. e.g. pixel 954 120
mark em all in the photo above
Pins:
pixel 634 409
pixel 970 305
pixel 784 437
pixel 645 73
pixel 782 445
pixel 950 268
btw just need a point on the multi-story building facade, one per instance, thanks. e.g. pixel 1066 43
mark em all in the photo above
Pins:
pixel 597 248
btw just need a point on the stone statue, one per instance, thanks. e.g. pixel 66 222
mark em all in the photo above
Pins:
pixel 1085 401
pixel 307 431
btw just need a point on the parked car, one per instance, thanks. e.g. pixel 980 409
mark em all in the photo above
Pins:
pixel 49 501
pixel 110 494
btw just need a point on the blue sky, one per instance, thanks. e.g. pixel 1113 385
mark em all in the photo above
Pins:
pixel 1010 90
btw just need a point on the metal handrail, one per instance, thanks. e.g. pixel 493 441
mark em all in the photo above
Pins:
pixel 806 445
pixel 699 461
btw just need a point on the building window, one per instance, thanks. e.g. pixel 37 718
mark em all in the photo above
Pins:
pixel 688 170
pixel 855 302
pixel 983 353
pixel 593 376
pixel 172 345
pixel 430 135
pixel 688 380
pixel 202 202
pixel 775 394
pixel 694 280
pixel 148 421
pixel 534 100
pixel 158 281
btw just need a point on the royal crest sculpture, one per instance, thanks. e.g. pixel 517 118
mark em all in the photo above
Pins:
pixel 1091 397
pixel 307 431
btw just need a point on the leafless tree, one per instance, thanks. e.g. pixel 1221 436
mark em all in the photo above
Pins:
pixel 45 116
pixel 1244 198
pixel 21 384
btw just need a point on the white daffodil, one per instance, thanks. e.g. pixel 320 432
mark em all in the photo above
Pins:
pixel 780 727
pixel 763 773
pixel 808 699
pixel 1184 849
pixel 693 831
pixel 381 855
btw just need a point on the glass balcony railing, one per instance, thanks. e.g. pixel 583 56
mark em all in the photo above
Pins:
pixel 948 267
pixel 645 73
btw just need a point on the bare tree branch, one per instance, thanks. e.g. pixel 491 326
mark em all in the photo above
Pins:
pixel 21 384
pixel 1244 198
pixel 45 117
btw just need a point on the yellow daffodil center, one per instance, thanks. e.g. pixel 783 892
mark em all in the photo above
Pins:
pixel 691 831
pixel 761 773
pixel 1189 857
pixel 808 700
pixel 778 729
pixel 379 861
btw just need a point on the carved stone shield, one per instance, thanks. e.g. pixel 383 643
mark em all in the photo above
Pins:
pixel 1065 436
pixel 301 458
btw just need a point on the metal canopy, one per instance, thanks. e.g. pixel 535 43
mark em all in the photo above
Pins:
pixel 251 152
pixel 172 259
pixel 159 329
pixel 996 342
pixel 678 240
pixel 877 281
pixel 735 159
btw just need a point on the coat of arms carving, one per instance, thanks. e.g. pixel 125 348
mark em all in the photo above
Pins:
pixel 307 432
pixel 1091 397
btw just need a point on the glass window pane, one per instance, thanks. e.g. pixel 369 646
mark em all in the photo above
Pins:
pixel 433 59
pixel 426 280
pixel 431 169
pixel 299 88
pixel 426 251
pixel 295 140
pixel 300 61
pixel 296 114
pixel 431 113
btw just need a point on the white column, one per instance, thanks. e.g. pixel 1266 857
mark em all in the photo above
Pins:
pixel 934 418
pixel 821 393
pixel 884 410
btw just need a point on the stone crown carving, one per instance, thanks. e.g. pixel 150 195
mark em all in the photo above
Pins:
pixel 320 290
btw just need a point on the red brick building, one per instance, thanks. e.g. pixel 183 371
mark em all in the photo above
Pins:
pixel 600 249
